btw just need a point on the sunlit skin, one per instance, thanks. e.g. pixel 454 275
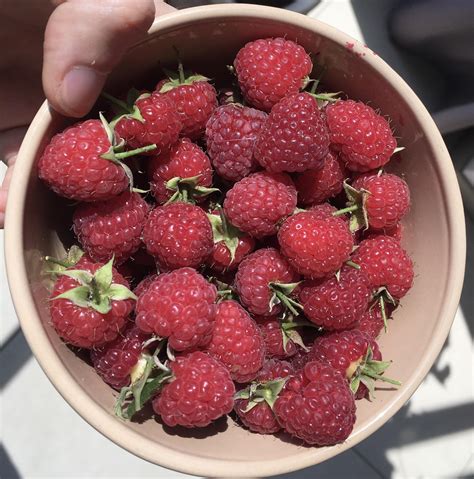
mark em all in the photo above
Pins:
pixel 63 50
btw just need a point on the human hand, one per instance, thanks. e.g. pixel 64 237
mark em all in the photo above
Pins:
pixel 83 41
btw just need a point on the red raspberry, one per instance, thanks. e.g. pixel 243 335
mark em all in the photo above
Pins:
pixel 324 210
pixel 178 306
pixel 295 136
pixel 200 392
pixel 177 235
pixel 184 160
pixel 277 343
pixel 161 123
pixel 111 228
pixel 257 203
pixel 237 342
pixel 230 245
pixel 270 69
pixel 363 138
pixel 317 406
pixel 274 369
pixel 258 416
pixel 396 232
pixel 143 285
pixel 317 186
pixel 372 322
pixel 336 303
pixel 194 102
pixel 82 325
pixel 388 199
pixel 314 245
pixel 72 164
pixel 386 264
pixel 115 361
pixel 299 360
pixel 346 351
pixel 254 277
pixel 231 133
pixel 221 260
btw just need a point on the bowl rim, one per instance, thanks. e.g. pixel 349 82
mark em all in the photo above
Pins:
pixel 102 420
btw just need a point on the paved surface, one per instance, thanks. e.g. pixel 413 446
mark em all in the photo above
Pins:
pixel 431 437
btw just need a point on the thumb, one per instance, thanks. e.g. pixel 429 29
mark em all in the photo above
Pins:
pixel 84 40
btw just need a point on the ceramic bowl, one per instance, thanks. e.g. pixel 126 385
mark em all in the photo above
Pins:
pixel 38 223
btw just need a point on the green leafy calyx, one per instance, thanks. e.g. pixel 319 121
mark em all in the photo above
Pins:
pixel 256 393
pixel 96 291
pixel 281 295
pixel 223 231
pixel 187 190
pixel 367 371
pixel 356 200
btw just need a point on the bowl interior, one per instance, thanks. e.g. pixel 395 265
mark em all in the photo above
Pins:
pixel 207 44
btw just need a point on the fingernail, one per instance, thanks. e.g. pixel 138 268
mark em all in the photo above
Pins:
pixel 79 90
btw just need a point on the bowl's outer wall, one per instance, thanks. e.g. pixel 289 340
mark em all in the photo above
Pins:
pixel 208 38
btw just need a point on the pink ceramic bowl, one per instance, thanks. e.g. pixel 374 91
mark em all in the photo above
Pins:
pixel 37 225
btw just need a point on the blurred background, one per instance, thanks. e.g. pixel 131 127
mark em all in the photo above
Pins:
pixel 430 43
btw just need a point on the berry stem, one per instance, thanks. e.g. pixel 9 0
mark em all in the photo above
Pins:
pixel 382 378
pixel 137 151
pixel 288 302
pixel 115 101
pixel 182 77
pixel 383 311
pixel 352 264
pixel 64 264
pixel 343 211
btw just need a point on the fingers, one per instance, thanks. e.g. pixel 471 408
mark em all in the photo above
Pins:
pixel 84 40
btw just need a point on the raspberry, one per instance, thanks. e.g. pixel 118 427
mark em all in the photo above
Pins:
pixel 115 361
pixel 317 406
pixel 324 210
pixel 319 185
pixel 200 392
pixel 160 123
pixel 178 235
pixel 278 344
pixel 396 232
pixel 295 136
pixel 231 133
pixel 336 303
pixel 347 352
pixel 194 102
pixel 89 320
pixel 255 277
pixel 237 342
pixel 230 245
pixel 184 160
pixel 143 285
pixel 299 360
pixel 274 369
pixel 386 264
pixel 257 203
pixel 270 69
pixel 314 245
pixel 372 323
pixel 72 164
pixel 111 228
pixel 362 137
pixel 221 260
pixel 178 306
pixel 388 198
pixel 258 415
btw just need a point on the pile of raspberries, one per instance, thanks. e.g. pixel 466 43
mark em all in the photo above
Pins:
pixel 253 273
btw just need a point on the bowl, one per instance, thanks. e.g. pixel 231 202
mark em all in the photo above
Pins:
pixel 434 237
